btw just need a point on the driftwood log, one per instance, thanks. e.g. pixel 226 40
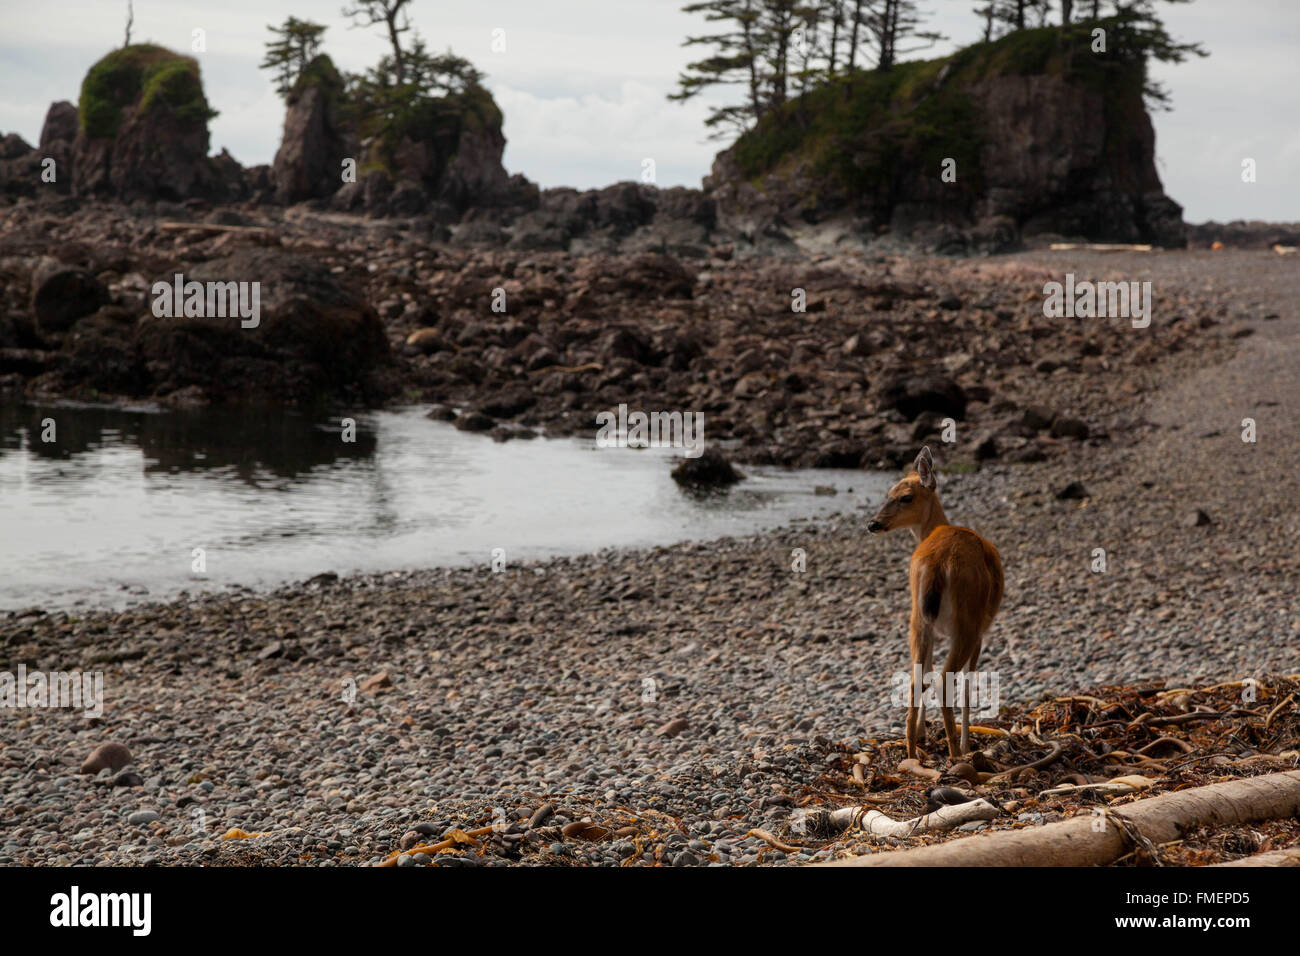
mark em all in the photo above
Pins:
pixel 1097 839
pixel 877 824
pixel 1287 857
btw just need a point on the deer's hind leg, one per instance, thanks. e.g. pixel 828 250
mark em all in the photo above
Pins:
pixel 953 664
pixel 971 666
pixel 963 658
pixel 921 646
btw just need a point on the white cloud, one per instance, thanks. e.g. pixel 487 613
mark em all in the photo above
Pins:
pixel 592 140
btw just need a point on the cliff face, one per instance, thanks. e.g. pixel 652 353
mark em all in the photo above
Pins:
pixel 1039 135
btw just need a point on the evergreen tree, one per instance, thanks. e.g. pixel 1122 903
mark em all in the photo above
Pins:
pixel 890 21
pixel 734 60
pixel 295 45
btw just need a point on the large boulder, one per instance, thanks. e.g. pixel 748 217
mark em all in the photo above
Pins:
pixel 313 336
pixel 309 162
pixel 911 393
pixel 62 294
pixel 143 130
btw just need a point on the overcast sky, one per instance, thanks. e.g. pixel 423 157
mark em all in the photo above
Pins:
pixel 582 83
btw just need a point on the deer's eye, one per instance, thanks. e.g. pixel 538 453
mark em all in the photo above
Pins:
pixel 905 499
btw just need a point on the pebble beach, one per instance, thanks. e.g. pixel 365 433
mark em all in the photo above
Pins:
pixel 680 697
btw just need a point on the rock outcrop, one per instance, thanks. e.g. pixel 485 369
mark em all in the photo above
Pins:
pixel 24 172
pixel 143 131
pixel 20 167
pixel 436 156
pixel 59 140
pixel 1038 135
pixel 308 164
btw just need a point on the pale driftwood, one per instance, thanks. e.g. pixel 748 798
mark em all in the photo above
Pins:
pixel 1101 246
pixel 1130 783
pixel 209 227
pixel 586 367
pixel 877 824
pixel 916 769
pixel 1287 857
pixel 1092 840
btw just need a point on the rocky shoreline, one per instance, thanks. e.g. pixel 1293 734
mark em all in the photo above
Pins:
pixel 690 693
pixel 832 359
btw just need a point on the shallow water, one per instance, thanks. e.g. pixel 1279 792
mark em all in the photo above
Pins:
pixel 111 512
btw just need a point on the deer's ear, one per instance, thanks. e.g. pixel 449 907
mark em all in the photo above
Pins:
pixel 925 468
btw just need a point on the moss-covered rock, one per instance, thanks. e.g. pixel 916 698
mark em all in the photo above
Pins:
pixel 321 74
pixel 143 127
pixel 419 149
pixel 144 77
pixel 1037 127
pixel 449 146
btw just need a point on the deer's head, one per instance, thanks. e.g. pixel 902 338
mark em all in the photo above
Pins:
pixel 910 502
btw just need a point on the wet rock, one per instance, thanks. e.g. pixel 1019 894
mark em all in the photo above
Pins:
pixel 1074 491
pixel 62 295
pixel 711 469
pixel 508 403
pixel 472 421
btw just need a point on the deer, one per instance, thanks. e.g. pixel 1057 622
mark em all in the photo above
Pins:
pixel 956 583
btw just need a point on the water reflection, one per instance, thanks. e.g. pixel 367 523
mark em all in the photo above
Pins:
pixel 248 440
pixel 112 511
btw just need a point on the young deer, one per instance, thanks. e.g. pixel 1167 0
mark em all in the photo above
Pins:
pixel 956 581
